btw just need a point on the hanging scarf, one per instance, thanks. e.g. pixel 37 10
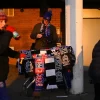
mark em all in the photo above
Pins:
pixel 45 30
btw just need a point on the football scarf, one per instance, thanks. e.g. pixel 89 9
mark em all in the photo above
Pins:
pixel 39 73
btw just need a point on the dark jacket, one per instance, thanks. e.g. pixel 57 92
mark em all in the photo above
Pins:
pixel 5 53
pixel 94 68
pixel 42 43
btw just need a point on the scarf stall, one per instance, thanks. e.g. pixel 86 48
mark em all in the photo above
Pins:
pixel 52 66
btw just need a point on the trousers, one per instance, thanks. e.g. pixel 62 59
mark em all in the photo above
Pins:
pixel 3 91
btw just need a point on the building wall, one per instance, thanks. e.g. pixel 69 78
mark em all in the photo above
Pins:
pixel 91 33
pixel 24 23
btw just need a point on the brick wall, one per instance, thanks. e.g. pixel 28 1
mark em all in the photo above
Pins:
pixel 24 22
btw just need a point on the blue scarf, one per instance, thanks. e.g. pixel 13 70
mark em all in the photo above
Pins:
pixel 45 30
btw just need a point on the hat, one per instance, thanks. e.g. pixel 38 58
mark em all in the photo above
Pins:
pixel 3 16
pixel 48 15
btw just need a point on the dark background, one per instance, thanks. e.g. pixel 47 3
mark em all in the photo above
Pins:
pixel 45 3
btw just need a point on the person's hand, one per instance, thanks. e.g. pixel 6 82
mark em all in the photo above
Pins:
pixel 39 35
pixel 13 31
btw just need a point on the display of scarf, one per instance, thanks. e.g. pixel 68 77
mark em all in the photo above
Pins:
pixel 57 66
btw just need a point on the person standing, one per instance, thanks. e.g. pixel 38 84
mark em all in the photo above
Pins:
pixel 6 33
pixel 44 33
pixel 94 70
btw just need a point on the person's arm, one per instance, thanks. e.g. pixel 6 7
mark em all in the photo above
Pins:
pixel 34 32
pixel 7 34
pixel 13 53
pixel 4 41
pixel 16 36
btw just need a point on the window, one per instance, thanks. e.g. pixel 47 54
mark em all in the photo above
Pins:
pixel 9 11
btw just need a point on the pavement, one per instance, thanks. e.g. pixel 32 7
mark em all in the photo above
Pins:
pixel 15 89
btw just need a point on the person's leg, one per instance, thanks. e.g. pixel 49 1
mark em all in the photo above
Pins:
pixel 68 78
pixel 3 91
pixel 97 91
